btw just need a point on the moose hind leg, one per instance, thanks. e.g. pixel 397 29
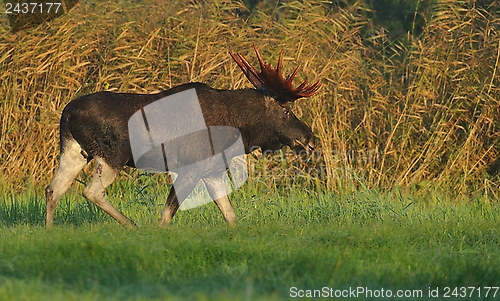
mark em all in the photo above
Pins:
pixel 70 164
pixel 103 176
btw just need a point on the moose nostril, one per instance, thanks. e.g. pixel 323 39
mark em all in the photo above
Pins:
pixel 310 145
pixel 310 148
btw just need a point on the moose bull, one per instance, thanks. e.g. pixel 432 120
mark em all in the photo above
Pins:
pixel 95 127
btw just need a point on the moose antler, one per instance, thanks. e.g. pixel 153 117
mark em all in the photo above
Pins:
pixel 270 79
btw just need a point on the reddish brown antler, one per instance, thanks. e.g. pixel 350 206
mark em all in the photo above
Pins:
pixel 272 79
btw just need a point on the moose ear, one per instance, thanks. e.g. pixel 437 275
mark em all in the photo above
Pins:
pixel 270 79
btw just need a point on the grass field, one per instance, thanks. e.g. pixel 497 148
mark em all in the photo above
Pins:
pixel 285 238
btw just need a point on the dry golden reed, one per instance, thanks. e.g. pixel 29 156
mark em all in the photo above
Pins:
pixel 410 113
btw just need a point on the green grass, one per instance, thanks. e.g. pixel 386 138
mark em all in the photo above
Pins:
pixel 285 238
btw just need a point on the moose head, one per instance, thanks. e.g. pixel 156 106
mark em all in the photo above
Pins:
pixel 287 129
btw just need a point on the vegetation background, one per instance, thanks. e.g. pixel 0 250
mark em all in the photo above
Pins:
pixel 413 110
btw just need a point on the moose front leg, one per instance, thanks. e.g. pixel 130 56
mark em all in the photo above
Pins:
pixel 218 192
pixel 182 187
pixel 170 209
pixel 227 210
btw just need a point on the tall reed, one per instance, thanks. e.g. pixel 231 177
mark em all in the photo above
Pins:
pixel 416 112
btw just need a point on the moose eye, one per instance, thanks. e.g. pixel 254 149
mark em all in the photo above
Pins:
pixel 286 112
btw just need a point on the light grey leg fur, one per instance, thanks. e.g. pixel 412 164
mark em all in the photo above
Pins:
pixel 70 164
pixel 103 176
pixel 218 191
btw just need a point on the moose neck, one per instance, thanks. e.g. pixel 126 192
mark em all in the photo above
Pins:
pixel 247 110
pixel 249 113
